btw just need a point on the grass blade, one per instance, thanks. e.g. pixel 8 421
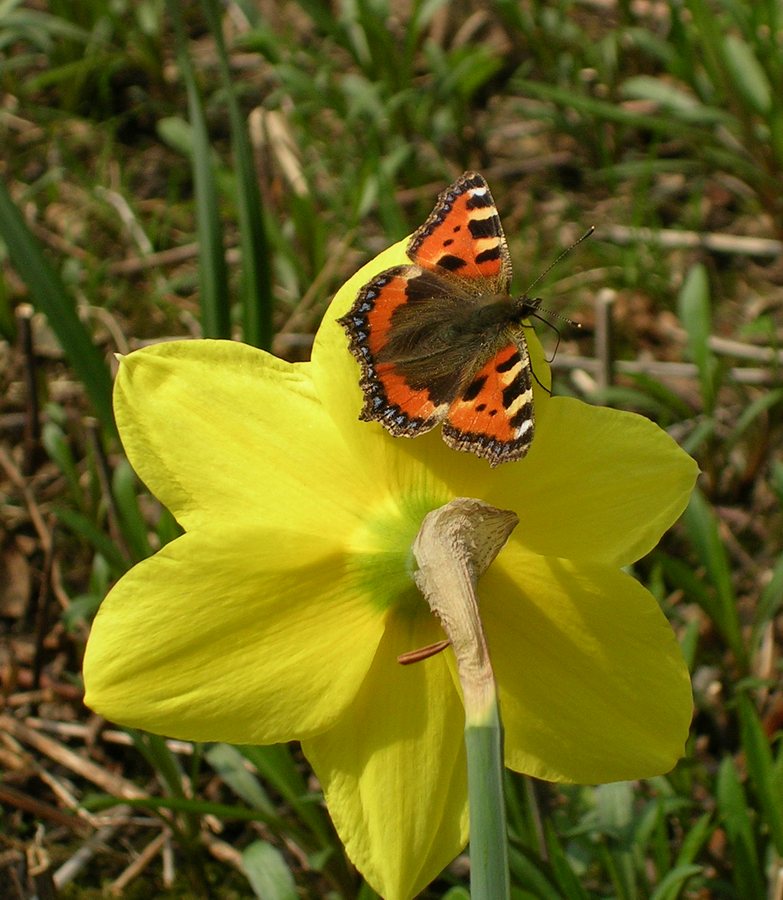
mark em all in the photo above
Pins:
pixel 567 879
pixel 761 769
pixel 747 75
pixel 695 839
pixel 213 276
pixel 674 881
pixel 256 276
pixel 695 314
pixel 268 873
pixel 748 416
pixel 770 601
pixel 49 296
pixel 531 875
pixel 131 521
pixel 702 529
pixel 229 763
pixel 735 815
pixel 84 528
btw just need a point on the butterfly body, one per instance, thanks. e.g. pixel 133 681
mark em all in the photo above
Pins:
pixel 442 341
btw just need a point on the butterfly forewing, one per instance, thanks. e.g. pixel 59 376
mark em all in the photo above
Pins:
pixel 463 236
pixel 380 344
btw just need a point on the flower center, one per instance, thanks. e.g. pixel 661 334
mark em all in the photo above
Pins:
pixel 381 553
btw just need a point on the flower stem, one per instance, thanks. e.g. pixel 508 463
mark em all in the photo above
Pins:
pixel 489 877
pixel 454 548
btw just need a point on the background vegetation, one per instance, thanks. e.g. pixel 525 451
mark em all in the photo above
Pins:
pixel 142 139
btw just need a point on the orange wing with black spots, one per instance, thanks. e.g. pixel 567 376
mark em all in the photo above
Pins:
pixel 493 417
pixel 441 340
pixel 463 236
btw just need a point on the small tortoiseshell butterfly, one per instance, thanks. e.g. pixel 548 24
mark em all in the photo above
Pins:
pixel 441 340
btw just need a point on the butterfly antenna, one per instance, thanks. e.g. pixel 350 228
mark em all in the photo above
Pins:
pixel 536 314
pixel 557 259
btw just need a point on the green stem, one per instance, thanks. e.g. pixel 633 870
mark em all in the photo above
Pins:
pixel 489 877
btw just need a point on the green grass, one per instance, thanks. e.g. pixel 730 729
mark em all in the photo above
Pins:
pixel 126 135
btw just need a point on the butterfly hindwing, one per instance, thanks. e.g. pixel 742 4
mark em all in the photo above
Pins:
pixel 493 416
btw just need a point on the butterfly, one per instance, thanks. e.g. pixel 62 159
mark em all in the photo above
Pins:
pixel 442 341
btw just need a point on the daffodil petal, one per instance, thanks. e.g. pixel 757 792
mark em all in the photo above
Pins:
pixel 592 683
pixel 217 428
pixel 393 768
pixel 248 637
pixel 598 484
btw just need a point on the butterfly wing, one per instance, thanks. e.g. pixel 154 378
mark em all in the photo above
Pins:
pixel 396 332
pixel 463 237
pixel 493 415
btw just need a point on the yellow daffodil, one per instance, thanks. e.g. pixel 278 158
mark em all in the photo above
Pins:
pixel 281 611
